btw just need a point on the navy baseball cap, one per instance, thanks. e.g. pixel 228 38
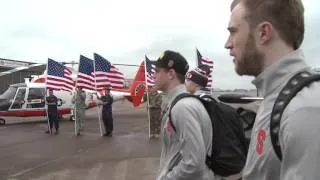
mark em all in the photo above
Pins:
pixel 172 60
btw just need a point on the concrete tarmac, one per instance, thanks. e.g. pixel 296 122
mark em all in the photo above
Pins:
pixel 26 152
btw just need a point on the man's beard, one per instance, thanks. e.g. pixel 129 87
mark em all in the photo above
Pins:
pixel 252 63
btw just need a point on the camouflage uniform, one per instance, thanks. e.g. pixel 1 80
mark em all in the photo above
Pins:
pixel 155 101
pixel 80 106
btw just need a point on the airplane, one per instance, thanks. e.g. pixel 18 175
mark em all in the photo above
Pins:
pixel 238 98
pixel 26 100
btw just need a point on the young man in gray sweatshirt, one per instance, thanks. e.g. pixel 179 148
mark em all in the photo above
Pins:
pixel 187 141
pixel 264 40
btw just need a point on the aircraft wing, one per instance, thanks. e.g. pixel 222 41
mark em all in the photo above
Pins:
pixel 119 93
pixel 114 93
pixel 238 98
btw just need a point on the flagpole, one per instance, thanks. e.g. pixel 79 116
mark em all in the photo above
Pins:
pixel 147 88
pixel 95 85
pixel 74 105
pixel 46 99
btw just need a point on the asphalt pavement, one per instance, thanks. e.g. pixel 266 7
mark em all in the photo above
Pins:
pixel 28 153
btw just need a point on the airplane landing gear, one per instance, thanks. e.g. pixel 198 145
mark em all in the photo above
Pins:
pixel 71 118
pixel 2 122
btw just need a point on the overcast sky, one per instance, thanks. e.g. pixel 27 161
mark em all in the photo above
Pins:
pixel 124 31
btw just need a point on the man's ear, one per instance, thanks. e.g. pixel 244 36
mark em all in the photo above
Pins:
pixel 171 74
pixel 265 32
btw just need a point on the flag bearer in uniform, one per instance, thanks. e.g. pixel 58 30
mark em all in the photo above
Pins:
pixel 52 102
pixel 106 102
pixel 80 107
pixel 155 101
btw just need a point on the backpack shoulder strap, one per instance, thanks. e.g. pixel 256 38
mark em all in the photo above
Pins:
pixel 294 85
pixel 180 96
pixel 207 97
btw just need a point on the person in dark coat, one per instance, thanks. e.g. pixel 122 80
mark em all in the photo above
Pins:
pixel 106 102
pixel 52 102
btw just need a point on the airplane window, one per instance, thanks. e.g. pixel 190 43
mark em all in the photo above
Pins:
pixel 9 93
pixel 36 98
pixel 21 94
pixel 18 102
pixel 36 93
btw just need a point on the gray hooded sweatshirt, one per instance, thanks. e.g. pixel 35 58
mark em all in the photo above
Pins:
pixel 184 150
pixel 299 128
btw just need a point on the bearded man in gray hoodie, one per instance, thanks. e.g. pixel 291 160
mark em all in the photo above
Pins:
pixel 265 37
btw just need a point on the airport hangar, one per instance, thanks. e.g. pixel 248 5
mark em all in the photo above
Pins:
pixel 13 71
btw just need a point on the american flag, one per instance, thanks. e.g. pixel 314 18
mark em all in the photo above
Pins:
pixel 150 69
pixel 85 78
pixel 58 77
pixel 106 74
pixel 206 61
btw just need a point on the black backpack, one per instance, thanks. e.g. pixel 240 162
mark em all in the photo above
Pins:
pixel 229 146
pixel 247 117
pixel 294 85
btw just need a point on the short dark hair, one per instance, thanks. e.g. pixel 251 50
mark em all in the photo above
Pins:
pixel 287 16
pixel 234 3
pixel 181 78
